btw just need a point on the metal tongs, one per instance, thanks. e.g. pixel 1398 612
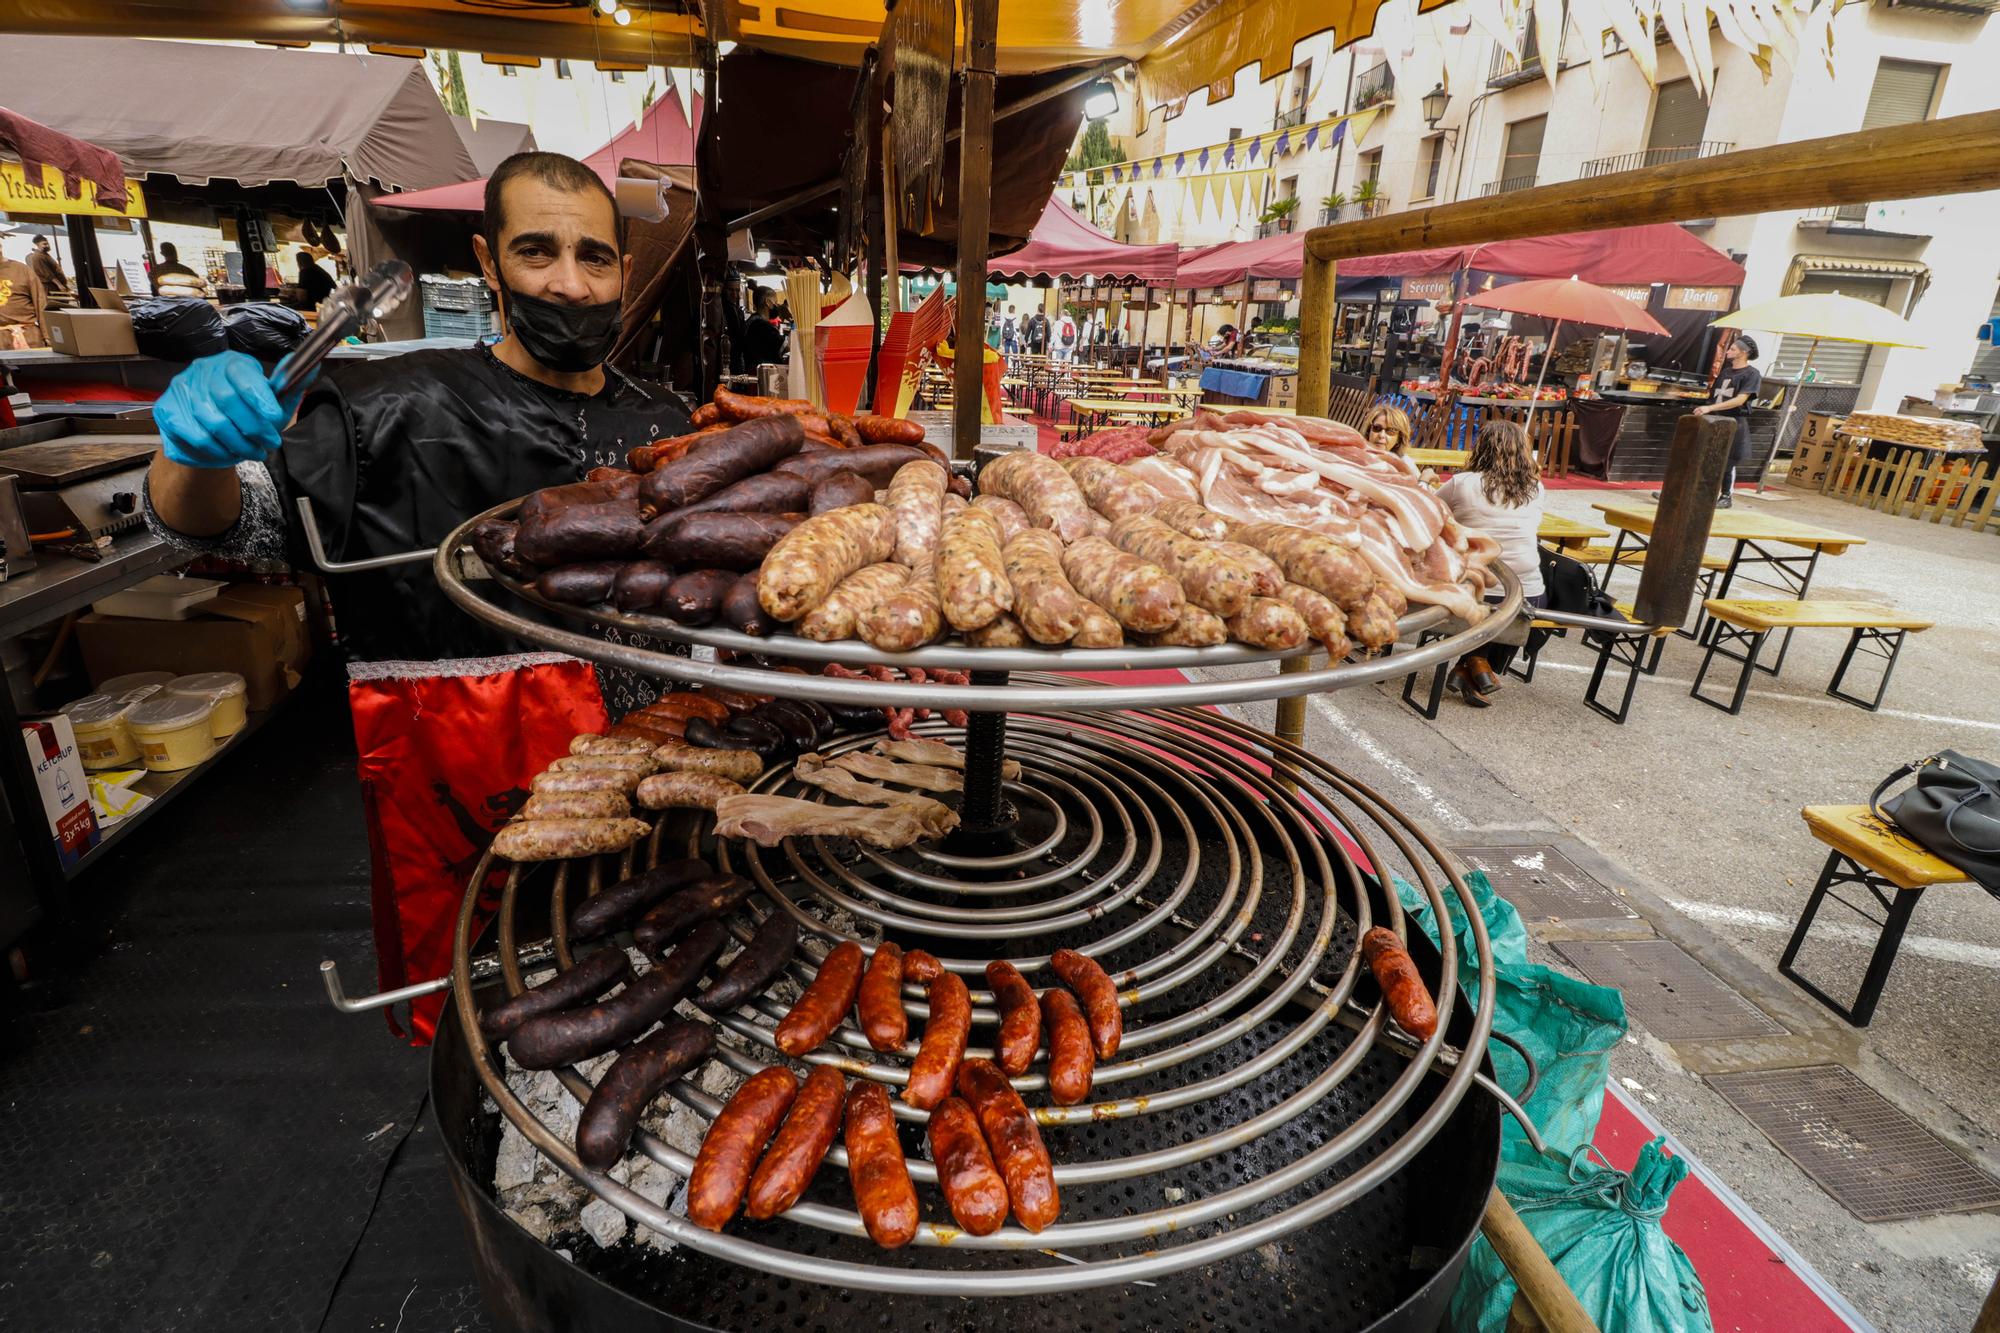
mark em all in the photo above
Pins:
pixel 352 304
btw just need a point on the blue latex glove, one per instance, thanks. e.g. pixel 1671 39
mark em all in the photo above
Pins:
pixel 222 411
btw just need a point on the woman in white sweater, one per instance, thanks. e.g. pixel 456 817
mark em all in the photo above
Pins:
pixel 1499 494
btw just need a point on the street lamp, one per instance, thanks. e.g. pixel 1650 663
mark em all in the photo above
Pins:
pixel 1101 101
pixel 1435 103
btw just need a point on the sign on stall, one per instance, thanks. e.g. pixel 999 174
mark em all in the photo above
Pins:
pixel 1435 288
pixel 1717 299
pixel 23 192
pixel 1270 289
pixel 1637 293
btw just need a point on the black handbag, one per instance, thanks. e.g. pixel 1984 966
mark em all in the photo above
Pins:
pixel 1953 812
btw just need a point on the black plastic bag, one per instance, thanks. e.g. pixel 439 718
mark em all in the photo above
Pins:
pixel 264 329
pixel 177 328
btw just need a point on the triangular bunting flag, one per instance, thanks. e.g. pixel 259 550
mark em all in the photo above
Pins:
pixel 1284 144
pixel 1236 193
pixel 1364 121
pixel 1159 165
pixel 1255 146
pixel 1180 163
pixel 1312 136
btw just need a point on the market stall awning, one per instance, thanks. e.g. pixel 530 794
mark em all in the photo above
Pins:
pixel 1662 252
pixel 1279 256
pixel 1063 245
pixel 491 142
pixel 200 112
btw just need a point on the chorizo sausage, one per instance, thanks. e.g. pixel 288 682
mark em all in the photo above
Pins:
pixel 569 1035
pixel 943 1047
pixel 755 966
pixel 883 1194
pixel 825 1002
pixel 833 619
pixel 695 598
pixel 733 1144
pixel 579 585
pixel 1012 518
pixel 716 540
pixel 575 805
pixel 1092 984
pixel 610 529
pixel 1016 1143
pixel 493 542
pixel 742 612
pixel 812 558
pixel 749 407
pixel 1139 594
pixel 685 791
pixel 1020 1018
pixel 1072 1062
pixel 639 1074
pixel 625 901
pixel 879 1002
pixel 1402 985
pixel 801 1145
pixel 735 701
pixel 843 431
pixel 703 900
pixel 1043 490
pixel 641 584
pixel 651 727
pixel 888 430
pixel 922 967
pixel 971 572
pixel 583 981
pixel 555 839
pixel 736 765
pixel 970 1182
pixel 690 704
pixel 763 493
pixel 718 460
pixel 1268 623
pixel 706 415
pixel 876 462
pixel 840 490
pixel 1110 489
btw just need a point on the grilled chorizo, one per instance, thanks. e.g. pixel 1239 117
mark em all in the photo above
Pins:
pixel 970 1182
pixel 1086 977
pixel 943 1047
pixel 883 1194
pixel 639 1074
pixel 695 598
pixel 888 430
pixel 733 1144
pixel 579 585
pixel 736 765
pixel 1020 1018
pixel 879 1002
pixel 704 900
pixel 749 407
pixel 686 703
pixel 584 980
pixel 812 558
pixel 755 966
pixel 717 461
pixel 650 727
pixel 1016 1143
pixel 825 1002
pixel 801 1145
pixel 555 839
pixel 840 490
pixel 570 1035
pixel 1402 985
pixel 1072 1061
pixel 922 967
pixel 685 791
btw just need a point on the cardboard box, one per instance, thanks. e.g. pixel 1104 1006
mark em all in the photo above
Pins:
pixel 91 333
pixel 257 632
pixel 65 790
pixel 1819 428
pixel 1810 464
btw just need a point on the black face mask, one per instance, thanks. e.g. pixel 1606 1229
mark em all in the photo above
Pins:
pixel 569 338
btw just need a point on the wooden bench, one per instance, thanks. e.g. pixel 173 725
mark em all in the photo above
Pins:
pixel 1629 648
pixel 1894 870
pixel 1881 628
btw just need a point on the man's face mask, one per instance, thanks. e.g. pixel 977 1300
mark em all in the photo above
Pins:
pixel 569 338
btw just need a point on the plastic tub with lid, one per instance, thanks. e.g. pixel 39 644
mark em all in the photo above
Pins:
pixel 144 684
pixel 161 597
pixel 173 731
pixel 103 727
pixel 224 689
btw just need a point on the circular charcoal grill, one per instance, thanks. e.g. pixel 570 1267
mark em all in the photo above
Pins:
pixel 1265 1151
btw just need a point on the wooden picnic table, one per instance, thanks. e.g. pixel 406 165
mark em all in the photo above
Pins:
pixel 1556 530
pixel 1087 410
pixel 1442 460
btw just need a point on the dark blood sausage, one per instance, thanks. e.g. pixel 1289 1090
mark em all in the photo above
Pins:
pixel 734 1142
pixel 625 486
pixel 796 723
pixel 580 585
pixel 880 1001
pixel 603 531
pixel 641 584
pixel 700 731
pixel 742 612
pixel 764 493
pixel 888 430
pixel 1020 1018
pixel 825 1002
pixel 1099 997
pixel 493 543
pixel 719 460
pixel 704 900
pixel 695 598
pixel 971 1183
pixel 639 1074
pixel 716 540
pixel 576 1034
pixel 876 462
pixel 602 913
pixel 1072 1062
pixel 945 1034
pixel 757 730
pixel 883 1194
pixel 614 475
pixel 852 717
pixel 839 491
pixel 584 981
pixel 822 720
pixel 754 967
pixel 800 1146
pixel 1402 985
pixel 1015 1141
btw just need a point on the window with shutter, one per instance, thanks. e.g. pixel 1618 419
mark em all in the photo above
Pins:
pixel 1832 362
pixel 1986 356
pixel 1524 151
pixel 1433 162
pixel 1904 93
pixel 1679 117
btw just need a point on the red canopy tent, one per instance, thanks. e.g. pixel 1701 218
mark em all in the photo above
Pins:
pixel 1063 245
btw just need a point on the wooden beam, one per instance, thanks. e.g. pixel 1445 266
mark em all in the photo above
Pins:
pixel 1952 156
pixel 1316 318
pixel 1553 1302
pixel 975 199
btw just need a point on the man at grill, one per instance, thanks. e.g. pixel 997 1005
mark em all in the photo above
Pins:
pixel 395 453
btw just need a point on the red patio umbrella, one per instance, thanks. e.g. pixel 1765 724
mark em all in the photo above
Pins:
pixel 1566 301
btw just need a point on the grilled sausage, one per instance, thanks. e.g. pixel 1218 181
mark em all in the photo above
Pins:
pixel 716 540
pixel 876 462
pixel 880 1001
pixel 800 1146
pixel 575 805
pixel 971 1183
pixel 641 764
pixel 1016 1143
pixel 609 529
pixel 888 430
pixel 625 901
pixel 825 1002
pixel 493 542
pixel 971 572
pixel 736 765
pixel 755 966
pixel 591 743
pixel 763 735
pixel 623 487
pixel 1072 1062
pixel 641 584
pixel 1093 987
pixel 596 779
pixel 945 1035
pixel 840 490
pixel 703 900
pixel 695 598
pixel 691 704
pixel 733 1144
pixel 639 1074
pixel 749 407
pixel 585 980
pixel 1402 985
pixel 762 493
pixel 685 791
pixel 580 585
pixel 883 1194
pixel 718 461
pixel 742 612
pixel 1020 1018
pixel 921 966
pixel 735 701
pixel 570 1035
pixel 651 728
pixel 556 839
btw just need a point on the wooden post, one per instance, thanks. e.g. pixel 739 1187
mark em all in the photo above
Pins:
pixel 975 183
pixel 1316 316
pixel 1695 465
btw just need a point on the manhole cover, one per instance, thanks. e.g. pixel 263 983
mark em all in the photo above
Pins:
pixel 1666 991
pixel 1875 1161
pixel 1544 885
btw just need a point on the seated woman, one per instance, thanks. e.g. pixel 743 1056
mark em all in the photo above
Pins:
pixel 1499 494
pixel 1387 427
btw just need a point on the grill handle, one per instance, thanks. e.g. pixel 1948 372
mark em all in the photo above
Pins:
pixel 327 565
pixel 484 969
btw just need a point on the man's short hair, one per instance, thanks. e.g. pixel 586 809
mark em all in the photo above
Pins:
pixel 169 253
pixel 555 170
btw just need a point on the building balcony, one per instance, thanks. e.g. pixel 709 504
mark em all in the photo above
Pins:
pixel 1506 185
pixel 1375 87
pixel 1860 220
pixel 1963 8
pixel 1354 211
pixel 1276 227
pixel 1654 157
pixel 1290 120
pixel 1508 69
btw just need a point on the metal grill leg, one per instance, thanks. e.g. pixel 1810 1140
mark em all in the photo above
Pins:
pixel 985 747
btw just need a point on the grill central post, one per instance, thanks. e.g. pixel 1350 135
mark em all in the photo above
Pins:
pixel 983 810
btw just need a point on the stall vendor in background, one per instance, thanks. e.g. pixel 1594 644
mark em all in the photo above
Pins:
pixel 395 453
pixel 1735 388
pixel 22 301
